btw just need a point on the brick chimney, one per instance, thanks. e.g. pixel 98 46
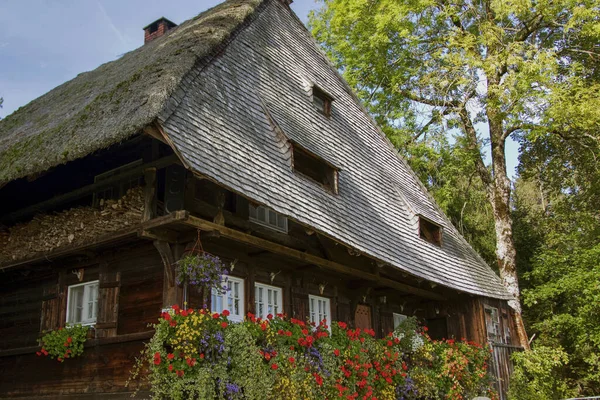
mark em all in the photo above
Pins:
pixel 157 29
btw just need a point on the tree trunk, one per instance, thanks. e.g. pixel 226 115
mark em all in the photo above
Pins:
pixel 499 194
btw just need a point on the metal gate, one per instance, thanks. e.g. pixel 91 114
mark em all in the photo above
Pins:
pixel 502 366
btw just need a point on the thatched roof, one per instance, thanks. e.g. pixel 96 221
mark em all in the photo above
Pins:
pixel 109 104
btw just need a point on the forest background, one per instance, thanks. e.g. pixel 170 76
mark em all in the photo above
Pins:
pixel 450 82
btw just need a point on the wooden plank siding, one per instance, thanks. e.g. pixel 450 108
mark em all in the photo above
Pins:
pixel 131 283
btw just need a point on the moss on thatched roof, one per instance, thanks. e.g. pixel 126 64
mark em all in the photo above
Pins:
pixel 116 100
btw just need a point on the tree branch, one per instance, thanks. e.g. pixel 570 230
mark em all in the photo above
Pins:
pixel 431 102
pixel 471 135
pixel 519 127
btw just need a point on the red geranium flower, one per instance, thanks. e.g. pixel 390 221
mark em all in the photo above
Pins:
pixel 336 352
pixel 225 313
pixel 291 360
pixel 274 366
pixel 170 356
pixel 170 367
pixel 157 358
pixel 223 324
pixel 216 315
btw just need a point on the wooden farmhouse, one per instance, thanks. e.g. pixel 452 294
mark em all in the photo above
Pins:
pixel 235 128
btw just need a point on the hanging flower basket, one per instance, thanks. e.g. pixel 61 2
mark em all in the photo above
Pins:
pixel 202 270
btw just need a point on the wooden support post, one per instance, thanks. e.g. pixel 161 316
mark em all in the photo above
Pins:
pixel 149 194
pixel 170 290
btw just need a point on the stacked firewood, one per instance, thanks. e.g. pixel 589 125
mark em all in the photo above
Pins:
pixel 46 232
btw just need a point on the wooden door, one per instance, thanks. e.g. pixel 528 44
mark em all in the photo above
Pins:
pixel 362 317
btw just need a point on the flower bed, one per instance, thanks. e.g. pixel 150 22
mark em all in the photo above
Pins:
pixel 196 354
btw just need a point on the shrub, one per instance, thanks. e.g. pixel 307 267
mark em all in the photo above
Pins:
pixel 536 375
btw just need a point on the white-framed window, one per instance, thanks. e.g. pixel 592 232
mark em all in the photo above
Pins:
pixel 267 300
pixel 269 218
pixel 231 300
pixel 320 309
pixel 398 319
pixel 492 324
pixel 82 303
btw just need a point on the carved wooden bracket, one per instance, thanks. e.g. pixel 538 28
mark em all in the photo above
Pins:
pixel 164 249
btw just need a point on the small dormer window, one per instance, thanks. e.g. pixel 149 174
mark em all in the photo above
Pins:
pixel 322 101
pixel 430 231
pixel 315 168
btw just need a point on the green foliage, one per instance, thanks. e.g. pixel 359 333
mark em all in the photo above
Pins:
pixel 198 355
pixel 537 375
pixel 557 230
pixel 64 343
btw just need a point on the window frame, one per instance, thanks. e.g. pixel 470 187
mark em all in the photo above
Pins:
pixel 257 286
pixel 330 172
pixel 267 224
pixel 318 299
pixel 87 321
pixel 224 299
pixel 325 99
pixel 401 319
pixel 494 328
pixel 438 231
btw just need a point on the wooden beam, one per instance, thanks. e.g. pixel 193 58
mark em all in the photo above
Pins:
pixel 89 189
pixel 309 258
pixel 100 241
pixel 149 194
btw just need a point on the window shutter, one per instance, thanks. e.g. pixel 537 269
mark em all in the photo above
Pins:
pixel 299 303
pixel 108 304
pixel 50 308
pixel 344 313
pixel 387 322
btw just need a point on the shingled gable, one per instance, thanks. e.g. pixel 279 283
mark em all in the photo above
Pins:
pixel 225 115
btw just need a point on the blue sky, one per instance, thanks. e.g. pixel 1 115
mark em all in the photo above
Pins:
pixel 44 43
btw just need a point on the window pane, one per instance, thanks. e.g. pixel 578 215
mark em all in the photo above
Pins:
pixel 261 214
pixel 272 218
pixel 281 221
pixel 77 304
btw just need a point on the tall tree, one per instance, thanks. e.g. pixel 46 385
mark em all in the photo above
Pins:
pixel 488 69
